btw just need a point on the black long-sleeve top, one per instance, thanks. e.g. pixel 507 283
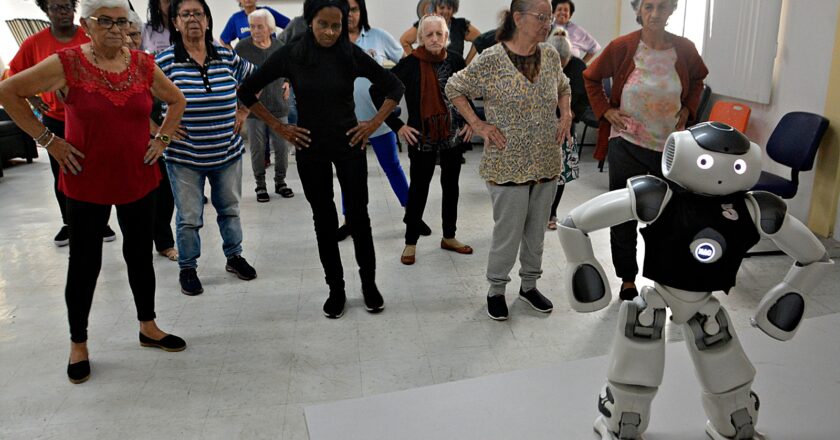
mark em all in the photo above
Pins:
pixel 408 71
pixel 324 94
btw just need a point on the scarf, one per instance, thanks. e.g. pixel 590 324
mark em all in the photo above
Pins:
pixel 434 115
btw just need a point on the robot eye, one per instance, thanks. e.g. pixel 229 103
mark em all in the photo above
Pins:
pixel 705 161
pixel 740 166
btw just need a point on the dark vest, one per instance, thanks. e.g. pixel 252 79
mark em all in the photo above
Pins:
pixel 698 242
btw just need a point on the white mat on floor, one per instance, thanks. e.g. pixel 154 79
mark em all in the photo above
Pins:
pixel 798 383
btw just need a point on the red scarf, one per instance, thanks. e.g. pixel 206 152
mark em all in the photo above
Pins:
pixel 434 114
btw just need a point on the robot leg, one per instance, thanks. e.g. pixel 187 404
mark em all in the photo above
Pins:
pixel 725 374
pixel 635 371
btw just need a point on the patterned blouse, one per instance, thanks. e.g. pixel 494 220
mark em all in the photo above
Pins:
pixel 522 110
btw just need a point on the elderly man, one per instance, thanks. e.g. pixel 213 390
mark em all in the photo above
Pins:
pixel 256 49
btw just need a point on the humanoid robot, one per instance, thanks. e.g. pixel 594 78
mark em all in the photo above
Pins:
pixel 700 222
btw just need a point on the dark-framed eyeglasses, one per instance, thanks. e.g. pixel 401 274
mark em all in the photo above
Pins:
pixel 186 15
pixel 108 22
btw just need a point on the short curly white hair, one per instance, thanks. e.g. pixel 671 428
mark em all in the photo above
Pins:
pixel 90 6
pixel 636 4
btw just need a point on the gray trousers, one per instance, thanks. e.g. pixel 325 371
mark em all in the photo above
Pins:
pixel 258 132
pixel 520 214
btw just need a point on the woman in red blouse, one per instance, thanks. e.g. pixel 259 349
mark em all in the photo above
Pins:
pixel 106 159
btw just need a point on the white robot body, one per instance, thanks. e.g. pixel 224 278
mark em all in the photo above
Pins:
pixel 714 165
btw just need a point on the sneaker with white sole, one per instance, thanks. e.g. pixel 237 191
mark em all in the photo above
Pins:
pixel 497 308
pixel 536 300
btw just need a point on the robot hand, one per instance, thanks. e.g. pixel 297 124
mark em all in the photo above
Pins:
pixel 782 308
pixel 586 282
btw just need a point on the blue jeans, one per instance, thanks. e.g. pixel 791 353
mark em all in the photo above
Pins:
pixel 225 192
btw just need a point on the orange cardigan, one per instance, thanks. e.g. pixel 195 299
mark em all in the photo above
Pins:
pixel 616 62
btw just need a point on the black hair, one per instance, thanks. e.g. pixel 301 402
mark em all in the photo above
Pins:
pixel 154 17
pixel 508 27
pixel 175 37
pixel 364 22
pixel 43 4
pixel 305 51
pixel 554 4
pixel 451 3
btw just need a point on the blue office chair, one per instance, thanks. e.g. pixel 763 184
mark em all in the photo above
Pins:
pixel 793 143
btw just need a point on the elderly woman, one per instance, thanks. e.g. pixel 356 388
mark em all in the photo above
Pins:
pixel 156 30
pixel 256 49
pixel 382 47
pixel 164 203
pixel 238 26
pixel 460 29
pixel 434 128
pixel 210 148
pixel 322 67
pixel 106 159
pixel 523 85
pixel 657 78
pixel 573 68
pixel 584 45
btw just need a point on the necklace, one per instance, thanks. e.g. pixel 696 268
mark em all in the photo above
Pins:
pixel 104 76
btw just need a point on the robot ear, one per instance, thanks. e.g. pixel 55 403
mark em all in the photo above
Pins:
pixel 668 154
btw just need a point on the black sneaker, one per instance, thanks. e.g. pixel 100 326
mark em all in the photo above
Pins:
pixel 63 237
pixel 108 234
pixel 497 308
pixel 262 195
pixel 241 268
pixel 342 232
pixel 190 284
pixel 334 306
pixel 628 294
pixel 373 299
pixel 536 300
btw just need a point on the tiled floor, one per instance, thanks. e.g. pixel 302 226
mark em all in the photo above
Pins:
pixel 260 351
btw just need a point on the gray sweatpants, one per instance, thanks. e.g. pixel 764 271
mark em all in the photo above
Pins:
pixel 520 214
pixel 258 131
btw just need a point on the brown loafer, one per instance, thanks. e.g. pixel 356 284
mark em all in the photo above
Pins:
pixel 465 249
pixel 408 260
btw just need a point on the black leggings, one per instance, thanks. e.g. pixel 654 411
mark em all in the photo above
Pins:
pixel 422 170
pixel 316 177
pixel 628 160
pixel 57 127
pixel 556 202
pixel 86 222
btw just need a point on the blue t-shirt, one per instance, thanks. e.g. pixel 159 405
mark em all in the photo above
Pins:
pixel 237 27
pixel 381 46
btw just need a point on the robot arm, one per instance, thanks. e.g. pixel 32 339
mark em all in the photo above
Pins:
pixel 782 308
pixel 586 283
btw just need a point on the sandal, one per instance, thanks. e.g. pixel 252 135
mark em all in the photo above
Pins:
pixel 408 259
pixel 285 192
pixel 552 223
pixel 170 253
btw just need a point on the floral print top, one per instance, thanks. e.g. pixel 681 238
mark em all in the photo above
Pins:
pixel 651 96
pixel 524 111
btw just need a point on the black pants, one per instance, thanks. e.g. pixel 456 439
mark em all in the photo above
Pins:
pixel 164 207
pixel 557 196
pixel 57 127
pixel 628 160
pixel 316 177
pixel 86 222
pixel 422 170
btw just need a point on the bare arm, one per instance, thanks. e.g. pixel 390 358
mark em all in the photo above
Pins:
pixel 164 90
pixel 472 33
pixel 473 52
pixel 408 38
pixel 588 57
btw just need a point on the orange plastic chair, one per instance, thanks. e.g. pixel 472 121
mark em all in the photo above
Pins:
pixel 736 114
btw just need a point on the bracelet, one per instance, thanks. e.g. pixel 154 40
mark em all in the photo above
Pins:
pixel 49 142
pixel 42 136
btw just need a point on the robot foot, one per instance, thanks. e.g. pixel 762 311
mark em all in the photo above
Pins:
pixel 604 431
pixel 714 435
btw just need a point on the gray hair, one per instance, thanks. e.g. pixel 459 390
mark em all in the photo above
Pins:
pixel 263 13
pixel 426 19
pixel 561 44
pixel 90 6
pixel 134 19
pixel 636 4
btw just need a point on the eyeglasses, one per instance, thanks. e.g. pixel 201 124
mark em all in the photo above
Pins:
pixel 355 10
pixel 133 34
pixel 186 15
pixel 61 8
pixel 108 22
pixel 335 28
pixel 544 19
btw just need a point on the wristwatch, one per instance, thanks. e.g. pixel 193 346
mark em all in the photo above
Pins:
pixel 163 138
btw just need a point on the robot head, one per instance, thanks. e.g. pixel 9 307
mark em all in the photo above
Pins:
pixel 711 158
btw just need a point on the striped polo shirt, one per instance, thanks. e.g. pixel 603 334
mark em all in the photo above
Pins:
pixel 209 118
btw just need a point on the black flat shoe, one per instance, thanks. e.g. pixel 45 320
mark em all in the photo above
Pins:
pixel 334 306
pixel 167 343
pixel 628 294
pixel 373 299
pixel 78 372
